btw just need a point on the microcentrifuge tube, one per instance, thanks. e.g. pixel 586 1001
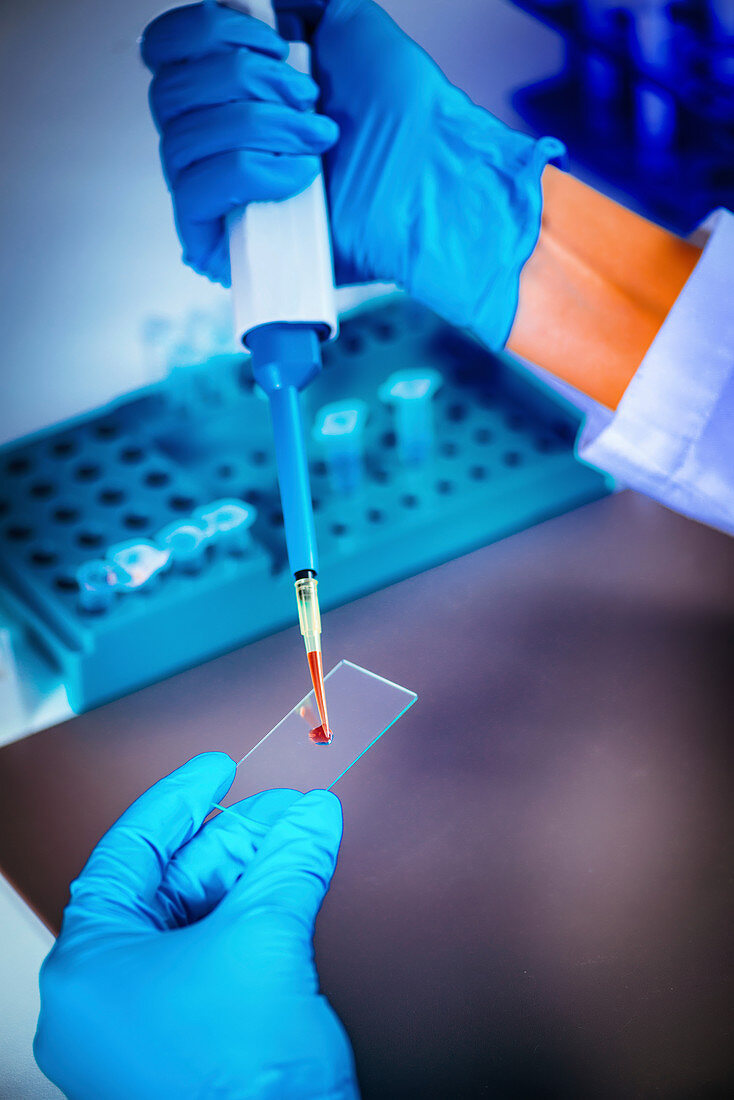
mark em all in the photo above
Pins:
pixel 201 333
pixel 603 87
pixel 157 334
pixel 595 16
pixel 655 107
pixel 186 542
pixel 98 581
pixel 339 431
pixel 227 523
pixel 139 560
pixel 183 375
pixel 410 394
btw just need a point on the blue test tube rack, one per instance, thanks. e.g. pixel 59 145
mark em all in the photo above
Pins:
pixel 147 537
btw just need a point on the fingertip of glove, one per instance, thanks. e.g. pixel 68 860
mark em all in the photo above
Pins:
pixel 192 30
pixel 216 768
pixel 327 129
pixel 324 808
pixel 149 40
pixel 267 806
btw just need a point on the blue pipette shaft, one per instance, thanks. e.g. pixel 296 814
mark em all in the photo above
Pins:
pixel 284 359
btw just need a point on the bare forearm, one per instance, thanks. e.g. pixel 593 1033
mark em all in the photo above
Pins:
pixel 597 288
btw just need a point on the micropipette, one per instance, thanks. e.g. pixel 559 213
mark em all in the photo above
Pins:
pixel 284 305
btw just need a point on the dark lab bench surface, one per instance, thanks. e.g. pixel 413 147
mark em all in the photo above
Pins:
pixel 534 889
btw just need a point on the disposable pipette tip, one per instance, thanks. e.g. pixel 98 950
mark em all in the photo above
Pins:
pixel 309 617
pixel 321 734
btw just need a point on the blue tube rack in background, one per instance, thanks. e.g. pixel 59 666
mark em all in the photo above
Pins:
pixel 645 100
pixel 502 458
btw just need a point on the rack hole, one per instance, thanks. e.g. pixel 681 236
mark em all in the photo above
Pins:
pixel 388 439
pixel 276 518
pixel 316 504
pixel 319 467
pixel 409 500
pixel 17 466
pixel 258 458
pixel 4 507
pixel 131 455
pixel 136 522
pixel 252 496
pixel 89 540
pixel 515 421
pixel 478 473
pixel 88 472
pixel 63 448
pixel 339 529
pixel 448 449
pixel 384 330
pixel 19 532
pixel 543 444
pixel 66 584
pixel 465 374
pixel 157 479
pixel 111 496
pixel 456 413
pixel 66 515
pixel 381 476
pixel 180 503
pixel 225 470
pixel 374 515
pixel 564 431
pixel 444 487
pixel 352 343
pixel 42 490
pixel 106 430
pixel 43 557
pixel 512 458
pixel 483 435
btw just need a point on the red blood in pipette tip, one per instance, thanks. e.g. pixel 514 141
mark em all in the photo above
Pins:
pixel 321 734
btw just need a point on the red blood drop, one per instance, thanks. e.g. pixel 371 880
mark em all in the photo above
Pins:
pixel 319 737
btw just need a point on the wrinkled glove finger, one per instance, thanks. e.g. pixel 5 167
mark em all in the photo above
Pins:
pixel 228 78
pixel 211 188
pixel 196 30
pixel 205 246
pixel 125 870
pixel 284 885
pixel 208 866
pixel 264 127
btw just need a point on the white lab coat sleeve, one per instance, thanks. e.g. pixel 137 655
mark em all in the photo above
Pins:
pixel 672 434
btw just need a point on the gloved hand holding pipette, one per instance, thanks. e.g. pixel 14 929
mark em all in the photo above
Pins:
pixel 184 967
pixel 425 188
pixel 430 191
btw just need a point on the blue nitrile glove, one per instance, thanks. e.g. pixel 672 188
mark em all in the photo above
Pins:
pixel 425 188
pixel 184 967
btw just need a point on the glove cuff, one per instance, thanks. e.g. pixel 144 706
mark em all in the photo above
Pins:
pixel 476 217
pixel 496 308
